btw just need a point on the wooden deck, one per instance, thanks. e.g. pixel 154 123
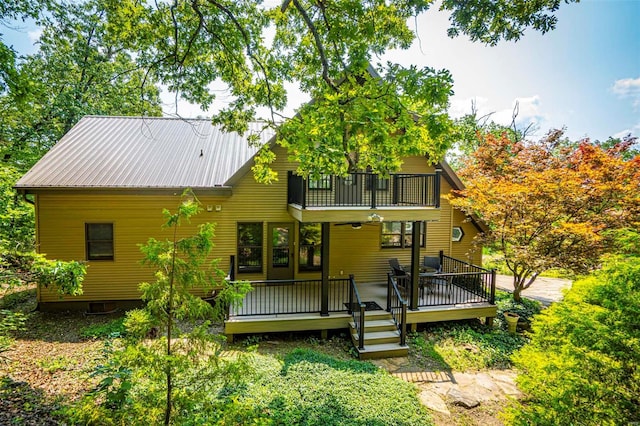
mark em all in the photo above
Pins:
pixel 252 319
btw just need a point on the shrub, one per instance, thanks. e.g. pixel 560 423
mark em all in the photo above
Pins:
pixel 114 328
pixel 582 365
pixel 525 308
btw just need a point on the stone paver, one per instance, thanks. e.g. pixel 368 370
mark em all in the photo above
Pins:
pixel 433 401
pixel 467 389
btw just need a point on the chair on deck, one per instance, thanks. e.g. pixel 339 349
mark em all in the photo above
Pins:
pixel 402 277
pixel 432 262
pixel 430 280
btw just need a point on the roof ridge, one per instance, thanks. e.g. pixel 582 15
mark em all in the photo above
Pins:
pixel 154 117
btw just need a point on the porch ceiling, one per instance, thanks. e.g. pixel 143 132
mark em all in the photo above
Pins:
pixel 361 214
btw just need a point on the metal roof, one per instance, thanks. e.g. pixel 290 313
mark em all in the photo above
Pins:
pixel 143 152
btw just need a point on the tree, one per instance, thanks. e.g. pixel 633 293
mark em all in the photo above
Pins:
pixel 184 362
pixel 582 365
pixel 549 205
pixel 356 122
pixel 77 71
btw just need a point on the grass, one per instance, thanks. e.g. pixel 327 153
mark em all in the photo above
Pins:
pixel 469 345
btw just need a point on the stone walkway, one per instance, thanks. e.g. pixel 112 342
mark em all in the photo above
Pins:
pixel 437 388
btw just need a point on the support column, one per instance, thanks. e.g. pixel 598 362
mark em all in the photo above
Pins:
pixel 415 265
pixel 324 293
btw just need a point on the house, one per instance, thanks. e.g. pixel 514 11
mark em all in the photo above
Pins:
pixel 315 250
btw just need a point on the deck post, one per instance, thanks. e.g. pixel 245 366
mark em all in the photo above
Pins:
pixel 324 293
pixel 436 188
pixel 415 265
pixel 492 296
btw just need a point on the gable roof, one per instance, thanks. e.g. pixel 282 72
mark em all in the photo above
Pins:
pixel 143 153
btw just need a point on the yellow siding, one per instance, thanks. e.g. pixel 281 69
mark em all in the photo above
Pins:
pixel 61 217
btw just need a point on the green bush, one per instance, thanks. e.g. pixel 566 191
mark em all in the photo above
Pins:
pixel 114 328
pixel 582 365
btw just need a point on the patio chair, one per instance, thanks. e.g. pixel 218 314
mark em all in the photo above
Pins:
pixel 432 262
pixel 431 281
pixel 402 277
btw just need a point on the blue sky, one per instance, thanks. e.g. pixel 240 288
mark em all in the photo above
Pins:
pixel 584 75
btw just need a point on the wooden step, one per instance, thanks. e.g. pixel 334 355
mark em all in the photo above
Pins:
pixel 376 325
pixel 378 337
pixel 387 350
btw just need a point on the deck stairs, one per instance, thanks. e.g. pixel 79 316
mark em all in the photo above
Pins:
pixel 381 337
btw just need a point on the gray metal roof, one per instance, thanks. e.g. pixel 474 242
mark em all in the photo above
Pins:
pixel 143 152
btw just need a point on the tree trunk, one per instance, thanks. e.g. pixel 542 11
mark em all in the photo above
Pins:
pixel 518 283
pixel 516 293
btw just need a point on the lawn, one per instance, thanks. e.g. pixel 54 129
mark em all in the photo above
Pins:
pixel 293 378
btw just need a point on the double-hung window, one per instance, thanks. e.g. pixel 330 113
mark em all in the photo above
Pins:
pixel 99 241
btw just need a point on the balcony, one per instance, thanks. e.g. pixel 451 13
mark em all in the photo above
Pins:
pixel 400 196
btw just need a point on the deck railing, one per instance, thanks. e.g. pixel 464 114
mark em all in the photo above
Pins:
pixel 365 190
pixel 292 297
pixel 357 310
pixel 397 307
pixel 472 278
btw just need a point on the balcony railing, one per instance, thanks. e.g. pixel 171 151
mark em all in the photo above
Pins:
pixel 365 190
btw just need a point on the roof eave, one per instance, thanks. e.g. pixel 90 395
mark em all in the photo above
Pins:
pixel 224 191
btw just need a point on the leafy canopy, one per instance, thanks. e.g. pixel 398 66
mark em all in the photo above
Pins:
pixel 550 205
pixel 355 122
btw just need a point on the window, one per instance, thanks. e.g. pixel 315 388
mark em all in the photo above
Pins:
pixel 250 247
pixel 457 233
pixel 310 256
pixel 382 184
pixel 99 239
pixel 324 182
pixel 399 234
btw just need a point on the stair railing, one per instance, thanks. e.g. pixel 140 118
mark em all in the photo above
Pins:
pixel 357 310
pixel 397 307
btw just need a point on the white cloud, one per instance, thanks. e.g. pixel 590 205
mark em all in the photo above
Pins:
pixel 460 107
pixel 528 109
pixel 633 131
pixel 628 88
pixel 34 35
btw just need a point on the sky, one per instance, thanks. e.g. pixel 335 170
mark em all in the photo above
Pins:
pixel 584 75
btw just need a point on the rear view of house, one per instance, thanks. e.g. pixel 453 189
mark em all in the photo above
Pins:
pixel 316 251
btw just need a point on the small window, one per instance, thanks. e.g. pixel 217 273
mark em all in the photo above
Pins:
pixel 99 239
pixel 324 182
pixel 310 255
pixel 250 247
pixel 399 235
pixel 457 233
